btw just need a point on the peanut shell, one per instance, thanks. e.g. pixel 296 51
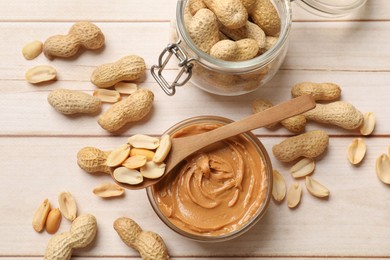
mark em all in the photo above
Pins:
pixel 133 108
pixel 131 67
pixel 92 159
pixel 81 34
pixel 265 15
pixel 337 113
pixel 231 13
pixel 319 91
pixel 310 145
pixel 70 102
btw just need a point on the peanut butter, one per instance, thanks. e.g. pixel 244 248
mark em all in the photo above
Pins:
pixel 217 190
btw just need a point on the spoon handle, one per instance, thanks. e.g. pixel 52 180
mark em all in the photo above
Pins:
pixel 274 114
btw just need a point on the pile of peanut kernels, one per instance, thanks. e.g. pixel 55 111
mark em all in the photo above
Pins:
pixel 50 219
pixel 141 157
pixel 307 146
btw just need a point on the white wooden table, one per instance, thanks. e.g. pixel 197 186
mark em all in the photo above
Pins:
pixel 38 145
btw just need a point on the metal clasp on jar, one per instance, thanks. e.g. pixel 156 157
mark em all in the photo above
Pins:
pixel 184 64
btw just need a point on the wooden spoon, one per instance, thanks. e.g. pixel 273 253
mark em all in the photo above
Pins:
pixel 184 146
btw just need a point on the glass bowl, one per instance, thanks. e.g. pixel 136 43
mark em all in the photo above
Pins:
pixel 227 202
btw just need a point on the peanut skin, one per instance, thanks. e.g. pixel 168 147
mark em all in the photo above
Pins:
pixel 149 244
pixel 40 216
pixel 131 67
pixel 309 145
pixel 81 34
pixel 53 221
pixel 133 108
pixel 70 102
pixel 337 113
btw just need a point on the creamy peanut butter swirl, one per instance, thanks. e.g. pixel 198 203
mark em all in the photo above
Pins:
pixel 216 190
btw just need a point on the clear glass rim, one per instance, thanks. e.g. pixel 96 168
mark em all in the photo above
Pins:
pixel 261 211
pixel 241 66
pixel 328 9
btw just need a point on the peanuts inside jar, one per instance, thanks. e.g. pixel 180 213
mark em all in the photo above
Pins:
pixel 235 46
pixel 217 193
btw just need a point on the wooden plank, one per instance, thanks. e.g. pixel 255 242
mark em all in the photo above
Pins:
pixel 338 46
pixel 39 145
pixel 371 11
pixel 118 10
pixel 187 257
pixel 353 222
pixel 27 112
pixel 138 10
pixel 313 46
pixel 144 39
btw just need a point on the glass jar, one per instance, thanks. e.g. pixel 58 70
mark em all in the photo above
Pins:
pixel 231 78
pixel 255 185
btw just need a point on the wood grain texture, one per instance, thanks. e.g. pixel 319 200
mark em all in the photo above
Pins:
pixel 139 10
pixel 358 88
pixel 39 145
pixel 356 212
pixel 338 46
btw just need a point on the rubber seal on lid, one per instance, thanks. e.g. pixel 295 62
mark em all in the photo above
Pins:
pixel 330 8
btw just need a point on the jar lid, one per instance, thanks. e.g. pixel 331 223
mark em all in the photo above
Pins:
pixel 331 8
